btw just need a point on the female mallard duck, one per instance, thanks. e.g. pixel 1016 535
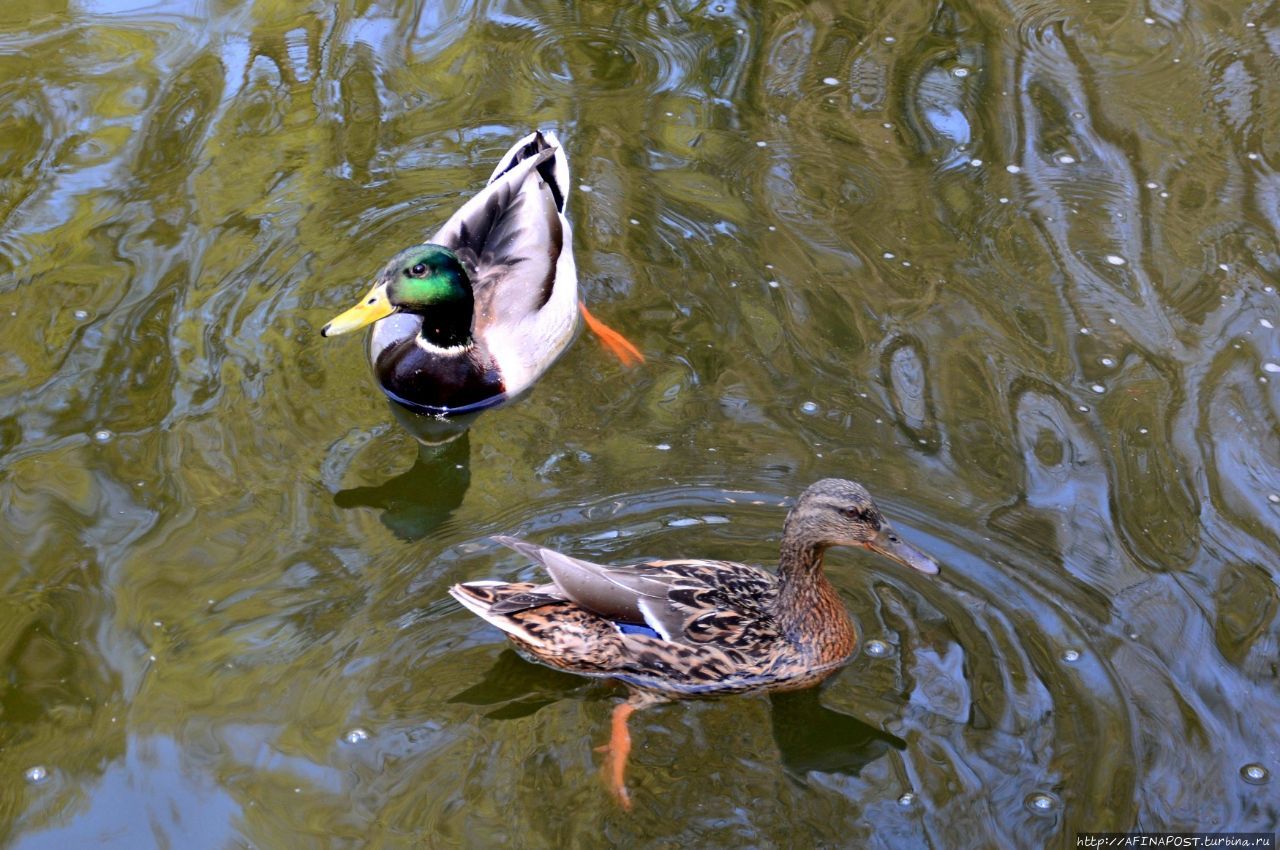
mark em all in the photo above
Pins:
pixel 695 628
pixel 474 316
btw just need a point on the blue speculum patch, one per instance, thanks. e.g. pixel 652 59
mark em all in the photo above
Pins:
pixel 629 629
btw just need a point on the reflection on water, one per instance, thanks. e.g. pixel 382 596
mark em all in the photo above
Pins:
pixel 415 502
pixel 1012 267
pixel 517 688
pixel 812 738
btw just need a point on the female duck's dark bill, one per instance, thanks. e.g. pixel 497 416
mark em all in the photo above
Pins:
pixel 888 543
pixel 373 307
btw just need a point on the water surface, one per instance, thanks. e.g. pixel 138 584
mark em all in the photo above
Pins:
pixel 1011 266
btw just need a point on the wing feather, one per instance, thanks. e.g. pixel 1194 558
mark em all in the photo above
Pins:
pixel 692 602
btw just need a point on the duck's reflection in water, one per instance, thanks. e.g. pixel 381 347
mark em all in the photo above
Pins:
pixel 810 736
pixel 418 501
pixel 517 688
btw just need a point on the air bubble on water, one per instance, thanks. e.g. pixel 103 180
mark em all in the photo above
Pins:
pixel 81 315
pixel 889 255
pixel 1273 498
pixel 663 447
pixel 585 188
pixel 888 125
pixel 809 407
pixel 634 220
pixel 1271 367
pixel 356 736
pixel 762 144
pixel 906 799
pixel 1085 331
pixel 1164 194
pixel 960 72
pixel 831 81
pixel 1255 774
pixel 1252 156
pixel 1083 408
pixel 1115 259
pixel 1143 430
pixel 1042 803
pixel 1065 159
pixel 1107 361
pixel 773 284
pixel 1004 200
pixel 102 435
pixel 975 162
pixel 1071 656
pixel 1098 388
pixel 36 775
pixel 888 39
pixel 1013 169
pixel 1151 184
pixel 879 649
pixel 1266 323
pixel 1148 20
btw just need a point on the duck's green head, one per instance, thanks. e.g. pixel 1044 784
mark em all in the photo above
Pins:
pixel 428 280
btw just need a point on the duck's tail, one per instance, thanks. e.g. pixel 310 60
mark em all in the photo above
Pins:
pixel 553 168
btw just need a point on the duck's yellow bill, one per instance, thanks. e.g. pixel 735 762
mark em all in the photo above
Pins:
pixel 375 306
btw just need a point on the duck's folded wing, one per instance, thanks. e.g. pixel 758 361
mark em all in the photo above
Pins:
pixel 688 601
pixel 611 592
pixel 510 237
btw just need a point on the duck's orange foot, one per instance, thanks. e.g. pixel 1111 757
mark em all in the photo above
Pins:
pixel 616 751
pixel 612 340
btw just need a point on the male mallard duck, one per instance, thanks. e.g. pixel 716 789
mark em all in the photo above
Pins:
pixel 696 628
pixel 474 316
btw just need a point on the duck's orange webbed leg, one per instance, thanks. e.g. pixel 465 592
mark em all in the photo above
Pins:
pixel 614 341
pixel 614 768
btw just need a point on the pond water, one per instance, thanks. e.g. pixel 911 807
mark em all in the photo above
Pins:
pixel 1012 266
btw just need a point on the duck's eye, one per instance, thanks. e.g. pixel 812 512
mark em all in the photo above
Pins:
pixel 851 513
pixel 418 270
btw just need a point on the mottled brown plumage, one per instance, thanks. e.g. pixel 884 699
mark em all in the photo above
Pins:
pixel 691 628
